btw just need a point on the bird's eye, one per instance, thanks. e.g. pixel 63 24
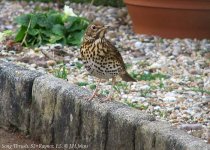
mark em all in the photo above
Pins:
pixel 93 27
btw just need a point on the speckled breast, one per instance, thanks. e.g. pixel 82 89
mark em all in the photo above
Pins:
pixel 97 61
pixel 101 67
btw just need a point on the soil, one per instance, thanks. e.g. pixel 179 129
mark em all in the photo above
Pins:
pixel 15 140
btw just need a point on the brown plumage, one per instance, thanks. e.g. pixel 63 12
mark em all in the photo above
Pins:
pixel 100 57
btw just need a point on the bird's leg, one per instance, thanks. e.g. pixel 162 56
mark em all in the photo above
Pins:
pixel 109 97
pixel 95 91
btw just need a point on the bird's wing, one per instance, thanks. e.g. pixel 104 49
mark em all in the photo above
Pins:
pixel 113 52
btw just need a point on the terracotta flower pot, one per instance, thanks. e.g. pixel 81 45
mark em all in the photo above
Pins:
pixel 171 18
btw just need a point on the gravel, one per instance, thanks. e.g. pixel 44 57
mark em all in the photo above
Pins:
pixel 180 93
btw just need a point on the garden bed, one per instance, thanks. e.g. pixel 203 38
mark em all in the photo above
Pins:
pixel 173 75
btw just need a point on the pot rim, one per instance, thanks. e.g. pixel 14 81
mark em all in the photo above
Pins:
pixel 172 4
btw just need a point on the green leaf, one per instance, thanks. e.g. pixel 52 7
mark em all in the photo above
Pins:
pixel 21 33
pixel 23 20
pixel 33 32
pixel 75 38
pixel 70 20
pixel 42 21
pixel 82 83
pixel 54 39
pixel 55 18
pixel 46 32
pixel 34 19
pixel 76 23
pixel 58 29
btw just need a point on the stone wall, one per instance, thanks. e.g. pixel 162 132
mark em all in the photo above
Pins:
pixel 56 112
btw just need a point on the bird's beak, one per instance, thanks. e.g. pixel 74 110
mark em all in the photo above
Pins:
pixel 103 31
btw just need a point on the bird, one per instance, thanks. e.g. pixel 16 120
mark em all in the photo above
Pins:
pixel 101 58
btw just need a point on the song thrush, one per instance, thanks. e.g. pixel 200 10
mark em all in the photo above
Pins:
pixel 102 59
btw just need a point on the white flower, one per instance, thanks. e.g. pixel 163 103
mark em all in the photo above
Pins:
pixel 69 11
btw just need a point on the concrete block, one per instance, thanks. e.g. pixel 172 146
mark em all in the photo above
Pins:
pixel 159 135
pixel 122 124
pixel 15 90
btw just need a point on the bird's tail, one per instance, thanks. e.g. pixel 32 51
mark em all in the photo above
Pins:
pixel 126 77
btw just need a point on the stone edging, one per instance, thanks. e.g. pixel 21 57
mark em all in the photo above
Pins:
pixel 55 112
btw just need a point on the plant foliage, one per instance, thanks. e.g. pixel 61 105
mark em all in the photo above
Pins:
pixel 61 72
pixel 51 27
pixel 148 76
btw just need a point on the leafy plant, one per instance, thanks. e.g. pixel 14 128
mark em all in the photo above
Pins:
pixel 120 85
pixel 104 92
pixel 128 65
pixel 148 76
pixel 50 27
pixel 92 86
pixel 161 113
pixel 78 65
pixel 61 72
pixel 145 92
pixel 161 84
pixel 82 83
pixel 136 105
pixel 201 90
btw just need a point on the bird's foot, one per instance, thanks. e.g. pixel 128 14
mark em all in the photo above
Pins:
pixel 91 98
pixel 95 93
pixel 108 98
